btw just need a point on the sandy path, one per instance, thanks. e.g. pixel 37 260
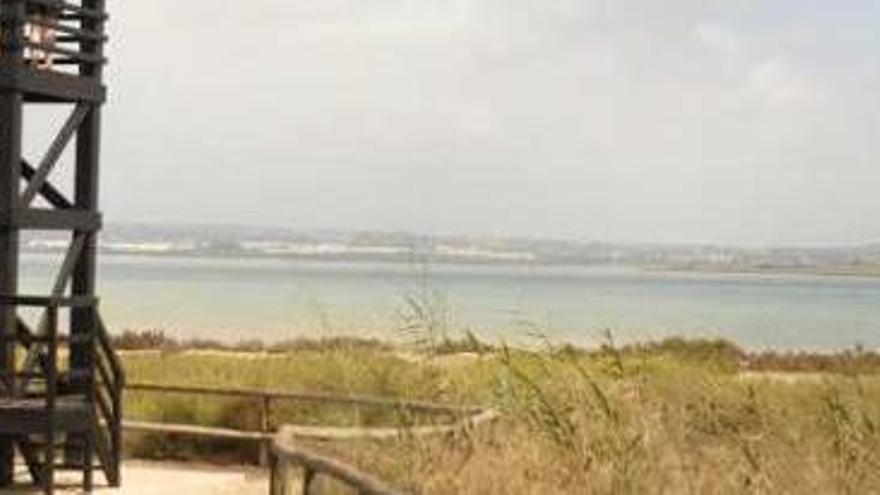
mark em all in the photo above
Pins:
pixel 163 478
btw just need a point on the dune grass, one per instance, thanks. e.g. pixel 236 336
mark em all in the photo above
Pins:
pixel 672 417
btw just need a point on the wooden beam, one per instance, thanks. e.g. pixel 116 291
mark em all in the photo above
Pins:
pixel 47 85
pixel 11 102
pixel 23 334
pixel 52 195
pixel 417 407
pixel 70 260
pixel 49 219
pixel 86 185
pixel 65 274
pixel 85 58
pixel 73 32
pixel 337 434
pixel 76 118
pixel 287 452
pixel 44 301
pixel 196 431
pixel 32 360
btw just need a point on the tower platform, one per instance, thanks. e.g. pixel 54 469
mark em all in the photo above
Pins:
pixel 29 415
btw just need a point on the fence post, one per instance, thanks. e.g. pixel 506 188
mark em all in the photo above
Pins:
pixel 265 426
pixel 311 482
pixel 274 483
pixel 51 396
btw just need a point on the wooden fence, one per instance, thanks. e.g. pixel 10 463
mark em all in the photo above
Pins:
pixel 283 454
pixel 286 455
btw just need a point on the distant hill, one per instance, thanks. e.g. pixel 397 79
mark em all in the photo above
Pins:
pixel 244 241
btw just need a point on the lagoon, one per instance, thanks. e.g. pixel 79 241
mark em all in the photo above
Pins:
pixel 275 299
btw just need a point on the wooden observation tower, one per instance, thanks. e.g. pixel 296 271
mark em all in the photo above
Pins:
pixel 60 381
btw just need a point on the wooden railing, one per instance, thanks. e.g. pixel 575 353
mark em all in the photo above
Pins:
pixel 54 35
pixel 98 377
pixel 107 390
pixel 41 375
pixel 47 377
pixel 268 398
pixel 283 453
pixel 286 456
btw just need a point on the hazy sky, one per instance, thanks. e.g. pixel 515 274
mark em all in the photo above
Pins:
pixel 745 121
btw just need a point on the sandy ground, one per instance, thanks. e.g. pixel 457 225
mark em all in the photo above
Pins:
pixel 785 377
pixel 162 478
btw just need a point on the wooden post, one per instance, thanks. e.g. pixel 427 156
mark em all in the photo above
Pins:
pixel 276 484
pixel 116 435
pixel 311 482
pixel 88 150
pixel 266 418
pixel 51 396
pixel 11 102
pixel 265 426
pixel 88 141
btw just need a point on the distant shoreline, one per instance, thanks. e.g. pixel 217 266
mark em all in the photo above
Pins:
pixel 872 272
pixel 156 339
pixel 830 271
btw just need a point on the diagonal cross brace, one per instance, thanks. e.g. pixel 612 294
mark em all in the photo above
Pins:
pixel 32 360
pixel 27 339
pixel 55 149
pixel 49 192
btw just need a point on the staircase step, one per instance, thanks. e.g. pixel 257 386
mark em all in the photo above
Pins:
pixel 66 466
pixel 75 375
pixel 41 444
pixel 80 339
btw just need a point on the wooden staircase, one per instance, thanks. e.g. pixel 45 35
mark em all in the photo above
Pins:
pixel 60 407
pixel 64 416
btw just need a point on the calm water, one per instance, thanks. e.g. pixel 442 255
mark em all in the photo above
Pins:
pixel 274 299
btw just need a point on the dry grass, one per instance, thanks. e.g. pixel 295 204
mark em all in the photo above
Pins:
pixel 663 418
pixel 678 431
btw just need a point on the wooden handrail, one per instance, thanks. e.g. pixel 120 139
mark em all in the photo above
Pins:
pixel 106 346
pixel 197 431
pixel 285 453
pixel 323 433
pixel 108 398
pixel 315 397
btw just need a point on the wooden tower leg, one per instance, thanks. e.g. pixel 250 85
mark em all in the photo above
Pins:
pixel 88 150
pixel 10 171
pixel 11 110
pixel 83 320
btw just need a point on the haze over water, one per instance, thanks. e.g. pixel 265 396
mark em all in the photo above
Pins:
pixel 274 299
pixel 732 123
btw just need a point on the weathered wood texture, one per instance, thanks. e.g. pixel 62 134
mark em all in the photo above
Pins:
pixel 11 100
pixel 286 455
pixel 196 431
pixel 313 465
pixel 52 51
pixel 310 397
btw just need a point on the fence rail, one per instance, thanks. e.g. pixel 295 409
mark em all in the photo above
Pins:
pixel 286 455
pixel 267 397
pixel 282 452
